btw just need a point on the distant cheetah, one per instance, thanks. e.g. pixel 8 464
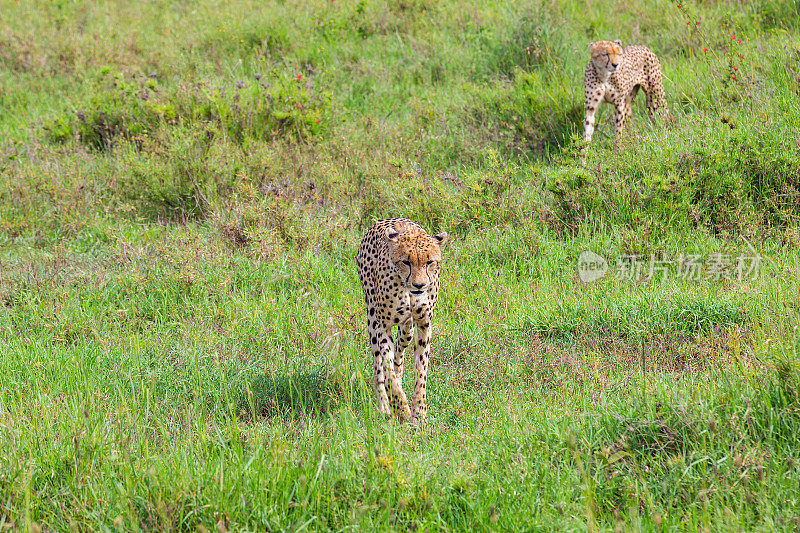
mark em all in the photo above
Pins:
pixel 398 264
pixel 615 76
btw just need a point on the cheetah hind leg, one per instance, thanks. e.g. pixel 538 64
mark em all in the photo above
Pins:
pixel 657 102
pixel 629 101
pixel 398 398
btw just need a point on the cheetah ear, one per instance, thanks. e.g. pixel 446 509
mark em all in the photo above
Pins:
pixel 619 42
pixel 442 238
pixel 392 235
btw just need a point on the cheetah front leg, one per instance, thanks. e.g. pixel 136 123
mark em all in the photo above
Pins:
pixel 588 123
pixel 381 341
pixel 398 396
pixel 419 406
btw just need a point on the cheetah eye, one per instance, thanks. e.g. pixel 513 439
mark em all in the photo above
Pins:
pixel 406 263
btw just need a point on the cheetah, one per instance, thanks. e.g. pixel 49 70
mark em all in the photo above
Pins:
pixel 398 264
pixel 615 76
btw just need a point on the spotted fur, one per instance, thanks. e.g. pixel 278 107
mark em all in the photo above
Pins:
pixel 615 76
pixel 398 264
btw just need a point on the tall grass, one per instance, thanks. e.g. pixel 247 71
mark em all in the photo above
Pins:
pixel 182 335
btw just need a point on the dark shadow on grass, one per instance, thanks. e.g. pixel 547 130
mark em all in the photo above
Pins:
pixel 555 133
pixel 297 395
pixel 539 131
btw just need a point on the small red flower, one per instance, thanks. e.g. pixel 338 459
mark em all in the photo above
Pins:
pixel 732 37
pixel 735 68
pixel 698 22
pixel 739 41
pixel 742 56
pixel 299 77
pixel 297 106
pixel 734 76
pixel 705 49
pixel 318 121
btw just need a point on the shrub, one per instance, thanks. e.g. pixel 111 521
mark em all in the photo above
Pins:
pixel 180 177
pixel 265 108
pixel 115 107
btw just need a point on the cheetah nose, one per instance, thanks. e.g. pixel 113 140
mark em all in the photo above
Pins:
pixel 418 285
pixel 614 65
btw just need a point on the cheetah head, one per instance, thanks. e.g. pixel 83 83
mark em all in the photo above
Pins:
pixel 606 55
pixel 416 257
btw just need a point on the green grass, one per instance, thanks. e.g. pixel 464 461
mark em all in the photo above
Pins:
pixel 182 337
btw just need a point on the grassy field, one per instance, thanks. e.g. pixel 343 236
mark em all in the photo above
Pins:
pixel 183 187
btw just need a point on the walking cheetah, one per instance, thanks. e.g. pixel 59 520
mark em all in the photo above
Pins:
pixel 615 76
pixel 398 264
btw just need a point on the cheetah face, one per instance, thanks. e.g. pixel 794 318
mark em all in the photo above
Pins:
pixel 416 257
pixel 606 55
